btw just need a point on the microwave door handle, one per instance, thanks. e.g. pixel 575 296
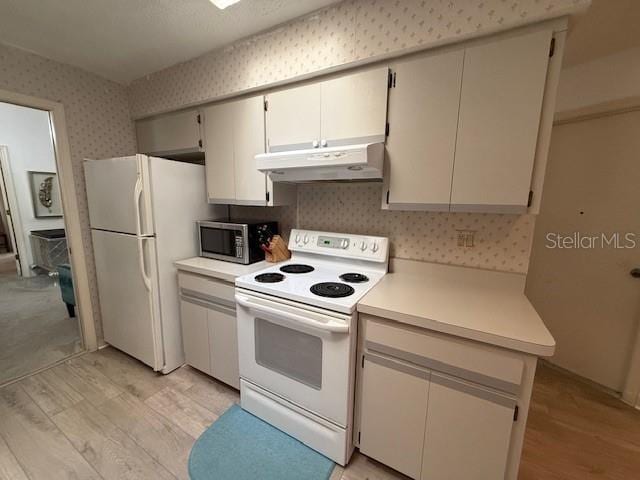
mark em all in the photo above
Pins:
pixel 330 326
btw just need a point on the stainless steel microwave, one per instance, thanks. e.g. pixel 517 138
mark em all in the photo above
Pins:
pixel 234 241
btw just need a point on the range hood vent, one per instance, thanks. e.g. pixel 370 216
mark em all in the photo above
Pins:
pixel 351 162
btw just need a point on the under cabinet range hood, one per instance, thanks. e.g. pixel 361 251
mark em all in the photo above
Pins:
pixel 349 162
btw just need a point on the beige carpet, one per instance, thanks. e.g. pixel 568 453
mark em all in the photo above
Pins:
pixel 35 329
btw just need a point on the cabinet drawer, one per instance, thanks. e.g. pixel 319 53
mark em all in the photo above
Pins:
pixel 484 365
pixel 208 289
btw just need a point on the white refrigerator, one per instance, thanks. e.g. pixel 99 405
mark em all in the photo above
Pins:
pixel 142 213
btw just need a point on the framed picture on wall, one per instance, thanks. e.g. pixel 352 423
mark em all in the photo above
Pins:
pixel 45 194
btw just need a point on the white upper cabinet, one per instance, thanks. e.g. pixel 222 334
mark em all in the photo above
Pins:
pixel 500 106
pixel 219 155
pixel 234 134
pixel 423 120
pixel 353 108
pixel 293 118
pixel 172 134
pixel 347 109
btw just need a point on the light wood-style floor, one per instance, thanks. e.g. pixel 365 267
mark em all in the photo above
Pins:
pixel 105 415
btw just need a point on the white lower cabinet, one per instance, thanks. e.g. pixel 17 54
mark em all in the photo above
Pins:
pixel 209 328
pixel 394 414
pixel 423 414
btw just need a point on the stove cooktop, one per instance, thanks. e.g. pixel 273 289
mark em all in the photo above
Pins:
pixel 327 270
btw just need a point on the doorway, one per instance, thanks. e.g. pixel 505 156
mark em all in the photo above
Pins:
pixel 39 321
pixel 586 246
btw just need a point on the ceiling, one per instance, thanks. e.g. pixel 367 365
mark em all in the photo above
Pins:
pixel 609 26
pixel 123 40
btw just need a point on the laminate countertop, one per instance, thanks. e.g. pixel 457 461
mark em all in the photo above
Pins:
pixel 481 305
pixel 227 271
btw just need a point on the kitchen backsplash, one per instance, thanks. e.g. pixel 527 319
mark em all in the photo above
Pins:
pixel 502 242
pixel 337 35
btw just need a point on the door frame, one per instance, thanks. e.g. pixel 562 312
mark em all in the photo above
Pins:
pixel 72 218
pixel 14 222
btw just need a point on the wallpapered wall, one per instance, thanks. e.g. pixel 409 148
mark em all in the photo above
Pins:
pixel 98 121
pixel 349 31
pixel 346 32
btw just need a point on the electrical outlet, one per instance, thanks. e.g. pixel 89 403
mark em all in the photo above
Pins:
pixel 466 238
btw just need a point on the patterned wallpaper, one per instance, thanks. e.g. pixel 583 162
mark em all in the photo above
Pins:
pixel 502 242
pixel 97 115
pixel 349 31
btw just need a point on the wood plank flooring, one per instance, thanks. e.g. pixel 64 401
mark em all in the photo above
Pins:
pixel 106 416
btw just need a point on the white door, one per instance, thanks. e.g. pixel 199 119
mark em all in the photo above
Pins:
pixel 223 344
pixel 300 354
pixel 354 108
pixel 393 412
pixel 119 195
pixel 127 285
pixel 502 90
pixel 293 118
pixel 423 119
pixel 468 431
pixel 219 155
pixel 248 141
pixel 173 133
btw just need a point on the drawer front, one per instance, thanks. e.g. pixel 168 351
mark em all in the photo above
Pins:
pixel 207 288
pixel 472 361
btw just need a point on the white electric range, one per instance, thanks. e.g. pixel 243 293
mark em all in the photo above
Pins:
pixel 297 325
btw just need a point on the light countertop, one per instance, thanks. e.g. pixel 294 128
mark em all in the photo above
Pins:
pixel 481 305
pixel 227 271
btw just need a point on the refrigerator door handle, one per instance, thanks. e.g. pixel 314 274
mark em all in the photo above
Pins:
pixel 137 194
pixel 143 270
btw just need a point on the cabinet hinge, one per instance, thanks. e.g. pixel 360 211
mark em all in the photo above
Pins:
pixel 530 200
pixel 515 413
pixel 362 361
pixel 552 47
pixel 359 436
pixel 391 82
pixel 387 197
pixel 268 196
pixel 386 130
pixel 17 257
pixel 266 105
pixel 200 143
pixel 8 212
pixel 199 119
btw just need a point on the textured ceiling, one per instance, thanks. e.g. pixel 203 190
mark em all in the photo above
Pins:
pixel 609 26
pixel 126 39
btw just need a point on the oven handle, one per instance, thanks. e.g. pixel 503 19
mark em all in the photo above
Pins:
pixel 330 325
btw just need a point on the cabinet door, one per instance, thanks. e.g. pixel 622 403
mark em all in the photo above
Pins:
pixel 195 335
pixel 423 119
pixel 248 141
pixel 223 342
pixel 170 134
pixel 501 101
pixel 293 118
pixel 393 414
pixel 354 108
pixel 468 431
pixel 219 156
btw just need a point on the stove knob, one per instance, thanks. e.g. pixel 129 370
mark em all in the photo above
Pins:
pixel 306 239
pixel 374 247
pixel 298 238
pixel 344 243
pixel 363 246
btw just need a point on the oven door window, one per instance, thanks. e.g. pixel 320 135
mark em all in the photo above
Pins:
pixel 219 241
pixel 294 354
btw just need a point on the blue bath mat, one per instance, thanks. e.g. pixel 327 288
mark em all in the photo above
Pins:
pixel 239 446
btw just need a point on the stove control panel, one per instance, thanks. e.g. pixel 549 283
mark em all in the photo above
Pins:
pixel 375 249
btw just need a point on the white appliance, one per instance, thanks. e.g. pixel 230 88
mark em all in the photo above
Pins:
pixel 297 324
pixel 142 213
pixel 351 162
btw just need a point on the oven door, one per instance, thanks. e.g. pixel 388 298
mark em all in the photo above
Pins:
pixel 301 353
